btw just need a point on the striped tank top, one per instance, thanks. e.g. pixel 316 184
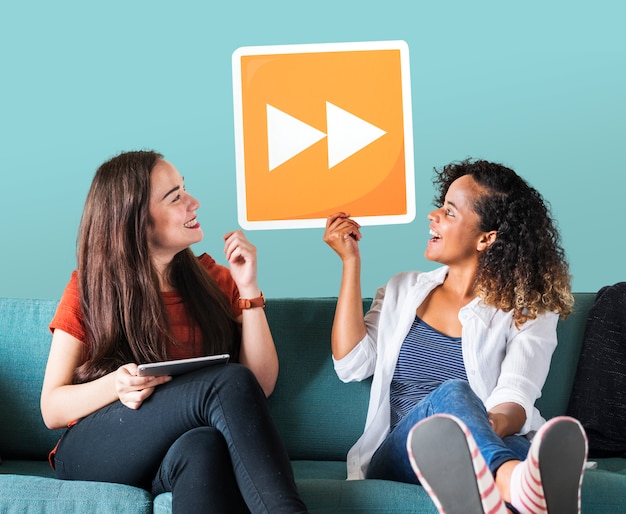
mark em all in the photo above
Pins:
pixel 427 359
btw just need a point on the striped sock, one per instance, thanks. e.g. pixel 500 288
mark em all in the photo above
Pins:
pixel 526 489
pixel 489 494
pixel 562 460
pixel 442 483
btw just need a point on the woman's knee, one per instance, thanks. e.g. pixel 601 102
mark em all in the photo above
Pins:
pixel 225 378
pixel 199 440
pixel 456 391
pixel 238 372
pixel 456 397
pixel 456 386
pixel 195 461
pixel 235 385
pixel 239 378
pixel 199 451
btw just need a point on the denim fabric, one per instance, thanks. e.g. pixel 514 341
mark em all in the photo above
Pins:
pixel 455 397
pixel 206 426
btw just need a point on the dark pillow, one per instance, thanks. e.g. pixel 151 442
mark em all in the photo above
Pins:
pixel 598 398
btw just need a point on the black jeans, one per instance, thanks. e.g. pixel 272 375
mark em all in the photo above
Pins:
pixel 206 436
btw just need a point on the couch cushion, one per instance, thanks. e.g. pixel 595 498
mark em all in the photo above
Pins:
pixel 318 417
pixel 24 346
pixel 327 496
pixel 51 496
pixel 324 490
pixel 37 468
pixel 556 391
pixel 604 492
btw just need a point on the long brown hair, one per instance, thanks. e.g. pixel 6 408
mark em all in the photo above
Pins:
pixel 123 311
pixel 525 269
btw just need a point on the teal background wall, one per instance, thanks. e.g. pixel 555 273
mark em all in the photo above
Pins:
pixel 539 86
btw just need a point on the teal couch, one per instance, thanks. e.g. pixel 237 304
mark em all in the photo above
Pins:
pixel 318 416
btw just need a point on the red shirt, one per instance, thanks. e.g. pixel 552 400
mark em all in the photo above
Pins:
pixel 69 318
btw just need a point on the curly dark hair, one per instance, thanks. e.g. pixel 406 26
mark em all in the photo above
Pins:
pixel 525 269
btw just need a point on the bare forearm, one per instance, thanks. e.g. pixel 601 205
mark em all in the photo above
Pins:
pixel 258 352
pixel 349 325
pixel 67 403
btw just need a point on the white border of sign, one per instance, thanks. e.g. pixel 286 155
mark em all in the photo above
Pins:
pixel 312 48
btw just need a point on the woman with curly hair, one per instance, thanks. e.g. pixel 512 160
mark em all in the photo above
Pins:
pixel 459 355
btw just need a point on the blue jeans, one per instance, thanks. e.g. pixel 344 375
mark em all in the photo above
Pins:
pixel 455 397
pixel 206 436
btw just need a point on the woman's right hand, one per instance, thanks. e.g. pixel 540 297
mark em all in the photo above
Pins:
pixel 131 389
pixel 343 234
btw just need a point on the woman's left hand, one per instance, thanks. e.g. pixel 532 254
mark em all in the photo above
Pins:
pixel 133 390
pixel 507 418
pixel 241 256
pixel 257 351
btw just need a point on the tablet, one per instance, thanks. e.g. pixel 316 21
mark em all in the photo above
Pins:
pixel 177 367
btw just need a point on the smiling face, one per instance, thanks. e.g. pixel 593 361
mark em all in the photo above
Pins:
pixel 173 225
pixel 454 227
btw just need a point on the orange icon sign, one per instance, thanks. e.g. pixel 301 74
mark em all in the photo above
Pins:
pixel 320 129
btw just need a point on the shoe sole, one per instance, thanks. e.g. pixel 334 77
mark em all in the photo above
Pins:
pixel 562 457
pixel 441 458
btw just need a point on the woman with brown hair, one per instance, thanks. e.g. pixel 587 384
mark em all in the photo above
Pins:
pixel 139 295
pixel 470 341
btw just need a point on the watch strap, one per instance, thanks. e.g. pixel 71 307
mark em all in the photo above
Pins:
pixel 250 303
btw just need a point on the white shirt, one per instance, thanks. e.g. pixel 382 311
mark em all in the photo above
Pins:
pixel 503 363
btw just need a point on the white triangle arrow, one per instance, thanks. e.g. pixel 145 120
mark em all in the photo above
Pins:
pixel 287 136
pixel 347 134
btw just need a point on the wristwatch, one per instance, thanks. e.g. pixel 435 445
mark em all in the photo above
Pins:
pixel 250 303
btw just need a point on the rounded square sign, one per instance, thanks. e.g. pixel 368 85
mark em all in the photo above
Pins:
pixel 322 128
